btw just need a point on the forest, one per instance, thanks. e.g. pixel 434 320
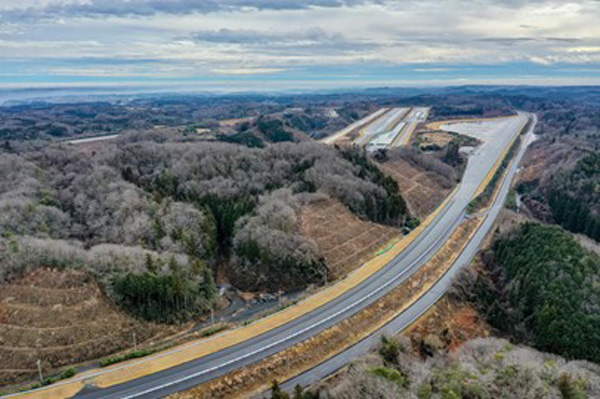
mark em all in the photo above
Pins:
pixel 487 368
pixel 541 287
pixel 574 197
pixel 561 169
pixel 309 114
pixel 154 220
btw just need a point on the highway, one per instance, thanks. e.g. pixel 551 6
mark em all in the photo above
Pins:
pixel 406 318
pixel 195 372
pixel 93 139
pixel 387 127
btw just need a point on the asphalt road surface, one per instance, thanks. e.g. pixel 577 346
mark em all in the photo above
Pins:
pixel 356 125
pixel 407 317
pixel 416 116
pixel 411 259
pixel 383 124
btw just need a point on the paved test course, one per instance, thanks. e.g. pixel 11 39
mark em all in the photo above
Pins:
pixel 195 372
pixel 424 303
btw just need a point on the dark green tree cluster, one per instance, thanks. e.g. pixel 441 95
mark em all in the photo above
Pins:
pixel 388 209
pixel 452 155
pixel 574 197
pixel 274 130
pixel 445 111
pixel 246 138
pixel 226 212
pixel 167 297
pixel 306 123
pixel 544 290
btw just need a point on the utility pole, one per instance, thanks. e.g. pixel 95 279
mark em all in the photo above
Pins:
pixel 39 367
pixel 134 342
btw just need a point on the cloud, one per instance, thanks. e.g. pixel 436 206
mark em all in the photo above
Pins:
pixel 314 40
pixel 313 35
pixel 511 41
pixel 433 69
pixel 590 50
pixel 196 38
pixel 246 71
pixel 120 8
pixel 541 60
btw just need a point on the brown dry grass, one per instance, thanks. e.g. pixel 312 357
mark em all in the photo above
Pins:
pixel 439 138
pixel 421 189
pixel 535 163
pixel 452 322
pixel 61 318
pixel 345 240
pixel 307 354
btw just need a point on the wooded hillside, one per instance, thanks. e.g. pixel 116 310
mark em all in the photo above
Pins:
pixel 480 369
pixel 543 288
pixel 574 197
pixel 154 219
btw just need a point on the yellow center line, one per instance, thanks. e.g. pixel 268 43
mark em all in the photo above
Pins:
pixel 134 369
pixel 199 348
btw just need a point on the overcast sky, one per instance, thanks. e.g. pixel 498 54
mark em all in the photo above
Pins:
pixel 298 44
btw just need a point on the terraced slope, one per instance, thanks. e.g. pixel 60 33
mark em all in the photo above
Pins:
pixel 61 318
pixel 422 190
pixel 345 240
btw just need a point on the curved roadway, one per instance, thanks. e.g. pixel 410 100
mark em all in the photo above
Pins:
pixel 424 303
pixel 198 371
pixel 426 245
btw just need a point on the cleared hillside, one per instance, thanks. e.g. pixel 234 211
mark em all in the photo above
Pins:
pixel 424 180
pixel 61 317
pixel 345 240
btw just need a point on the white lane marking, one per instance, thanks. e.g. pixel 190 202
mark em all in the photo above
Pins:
pixel 173 351
pixel 334 137
pixel 297 333
pixel 437 288
pixel 183 348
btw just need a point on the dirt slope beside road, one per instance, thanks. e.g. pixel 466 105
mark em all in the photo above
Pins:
pixel 345 240
pixel 423 190
pixel 61 318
